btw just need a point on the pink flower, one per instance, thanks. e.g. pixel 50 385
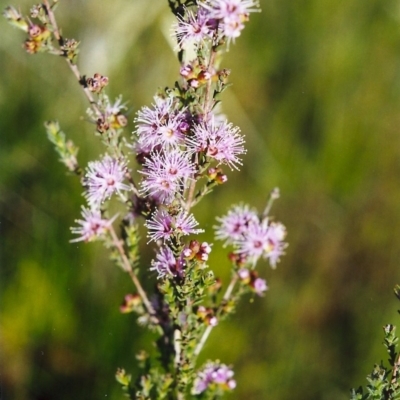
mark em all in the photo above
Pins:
pixel 214 373
pixel 236 9
pixel 194 27
pixel 166 264
pixel 254 241
pixel 92 226
pixel 160 125
pixel 103 179
pixel 252 238
pixel 220 141
pixel 165 174
pixel 262 240
pixel 162 225
pixel 234 225
pixel 260 286
pixel 277 233
pixel 231 13
pixel 244 275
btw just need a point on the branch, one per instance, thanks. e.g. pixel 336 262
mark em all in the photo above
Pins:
pixel 72 66
pixel 207 101
pixel 128 268
pixel 209 328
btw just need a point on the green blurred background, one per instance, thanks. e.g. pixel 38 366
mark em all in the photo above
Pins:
pixel 316 91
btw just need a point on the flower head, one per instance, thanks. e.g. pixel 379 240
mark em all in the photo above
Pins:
pixel 262 240
pixel 254 242
pixel 165 173
pixel 162 225
pixel 92 226
pixel 277 233
pixel 166 264
pixel 252 238
pixel 234 225
pixel 103 179
pixel 214 375
pixel 222 9
pixel 160 125
pixel 231 14
pixel 220 141
pixel 194 27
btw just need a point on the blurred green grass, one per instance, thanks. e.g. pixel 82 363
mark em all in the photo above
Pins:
pixel 316 91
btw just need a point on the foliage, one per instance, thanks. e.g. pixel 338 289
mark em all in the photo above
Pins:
pixel 383 382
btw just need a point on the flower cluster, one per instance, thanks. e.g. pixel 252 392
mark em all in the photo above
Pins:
pixel 167 138
pixel 175 146
pixel 214 376
pixel 182 145
pixel 197 251
pixel 251 236
pixel 38 40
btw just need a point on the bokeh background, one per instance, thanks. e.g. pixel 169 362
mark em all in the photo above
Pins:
pixel 316 91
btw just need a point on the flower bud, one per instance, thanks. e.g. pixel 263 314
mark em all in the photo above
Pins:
pixel 275 193
pixel 238 259
pixel 184 126
pixel 259 286
pixel 36 11
pixel 216 287
pixel 118 121
pixel 212 173
pixel 202 256
pixel 186 71
pixel 194 83
pixel 187 253
pixel 38 33
pixel 223 74
pixel 194 245
pixel 102 125
pixel 203 76
pixel 131 301
pixel 221 178
pixel 70 49
pixel 207 316
pixel 31 46
pixel 244 275
pixel 97 83
pixel 205 248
